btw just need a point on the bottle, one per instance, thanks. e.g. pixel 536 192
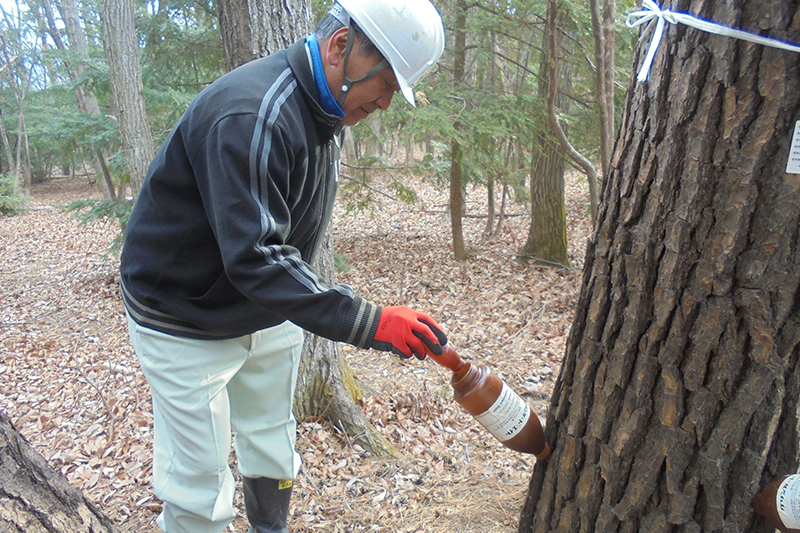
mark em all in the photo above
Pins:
pixel 498 408
pixel 779 503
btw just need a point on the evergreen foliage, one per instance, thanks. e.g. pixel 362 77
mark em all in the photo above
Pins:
pixel 181 54
pixel 498 104
pixel 91 211
pixel 12 202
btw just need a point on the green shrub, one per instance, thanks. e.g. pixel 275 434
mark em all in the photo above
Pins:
pixel 340 263
pixel 89 211
pixel 12 202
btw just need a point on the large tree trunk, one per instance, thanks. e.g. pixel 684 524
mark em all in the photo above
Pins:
pixel 677 399
pixel 125 70
pixel 35 498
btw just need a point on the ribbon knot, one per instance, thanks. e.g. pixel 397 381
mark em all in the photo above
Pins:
pixel 637 18
pixel 662 16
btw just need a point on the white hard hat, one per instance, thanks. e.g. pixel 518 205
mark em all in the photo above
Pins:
pixel 409 34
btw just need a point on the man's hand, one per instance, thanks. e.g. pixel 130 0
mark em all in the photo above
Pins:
pixel 405 332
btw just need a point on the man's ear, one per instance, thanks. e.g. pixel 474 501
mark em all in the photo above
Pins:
pixel 336 46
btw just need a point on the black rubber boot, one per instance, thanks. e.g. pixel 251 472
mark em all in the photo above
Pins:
pixel 266 502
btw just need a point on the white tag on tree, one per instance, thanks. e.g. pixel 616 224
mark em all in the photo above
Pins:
pixel 793 165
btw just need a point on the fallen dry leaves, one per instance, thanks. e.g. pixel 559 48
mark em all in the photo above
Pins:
pixel 70 382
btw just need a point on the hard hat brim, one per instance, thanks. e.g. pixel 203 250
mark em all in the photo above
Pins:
pixel 405 88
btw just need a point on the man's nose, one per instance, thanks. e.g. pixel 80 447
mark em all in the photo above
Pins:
pixel 385 100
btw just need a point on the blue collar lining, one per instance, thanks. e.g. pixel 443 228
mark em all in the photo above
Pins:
pixel 326 99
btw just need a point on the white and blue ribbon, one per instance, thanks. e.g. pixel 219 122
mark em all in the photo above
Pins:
pixel 653 11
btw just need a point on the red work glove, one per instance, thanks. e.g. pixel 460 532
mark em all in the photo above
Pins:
pixel 405 332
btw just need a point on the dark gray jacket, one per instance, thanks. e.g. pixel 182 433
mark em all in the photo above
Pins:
pixel 232 210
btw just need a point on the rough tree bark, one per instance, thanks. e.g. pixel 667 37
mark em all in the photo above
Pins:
pixel 122 54
pixel 35 498
pixel 678 395
pixel 255 28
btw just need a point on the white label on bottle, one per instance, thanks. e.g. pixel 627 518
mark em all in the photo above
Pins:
pixel 787 500
pixel 507 416
pixel 793 165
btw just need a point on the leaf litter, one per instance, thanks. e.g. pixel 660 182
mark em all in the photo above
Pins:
pixel 71 384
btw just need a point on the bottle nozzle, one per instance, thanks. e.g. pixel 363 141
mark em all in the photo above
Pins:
pixel 545 454
pixel 449 358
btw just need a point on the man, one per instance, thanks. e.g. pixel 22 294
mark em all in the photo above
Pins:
pixel 214 270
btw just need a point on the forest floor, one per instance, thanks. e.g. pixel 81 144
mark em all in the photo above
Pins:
pixel 70 382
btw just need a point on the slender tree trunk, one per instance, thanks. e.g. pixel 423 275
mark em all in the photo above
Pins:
pixel 122 54
pixel 34 497
pixel 6 144
pixel 23 151
pixel 609 63
pixel 500 80
pixel 373 145
pixel 326 385
pixel 87 102
pixel 456 174
pixel 603 30
pixel 21 163
pixel 678 395
pixel 490 208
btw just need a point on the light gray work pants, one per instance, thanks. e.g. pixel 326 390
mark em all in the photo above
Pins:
pixel 201 390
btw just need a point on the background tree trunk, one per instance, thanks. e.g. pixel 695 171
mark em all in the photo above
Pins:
pixel 553 8
pixel 254 28
pixel 87 102
pixel 36 498
pixel 547 236
pixel 122 54
pixel 326 385
pixel 22 167
pixel 677 399
pixel 6 145
pixel 603 23
pixel 456 177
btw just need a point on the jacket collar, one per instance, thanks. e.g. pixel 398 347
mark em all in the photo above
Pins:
pixel 326 99
pixel 301 65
